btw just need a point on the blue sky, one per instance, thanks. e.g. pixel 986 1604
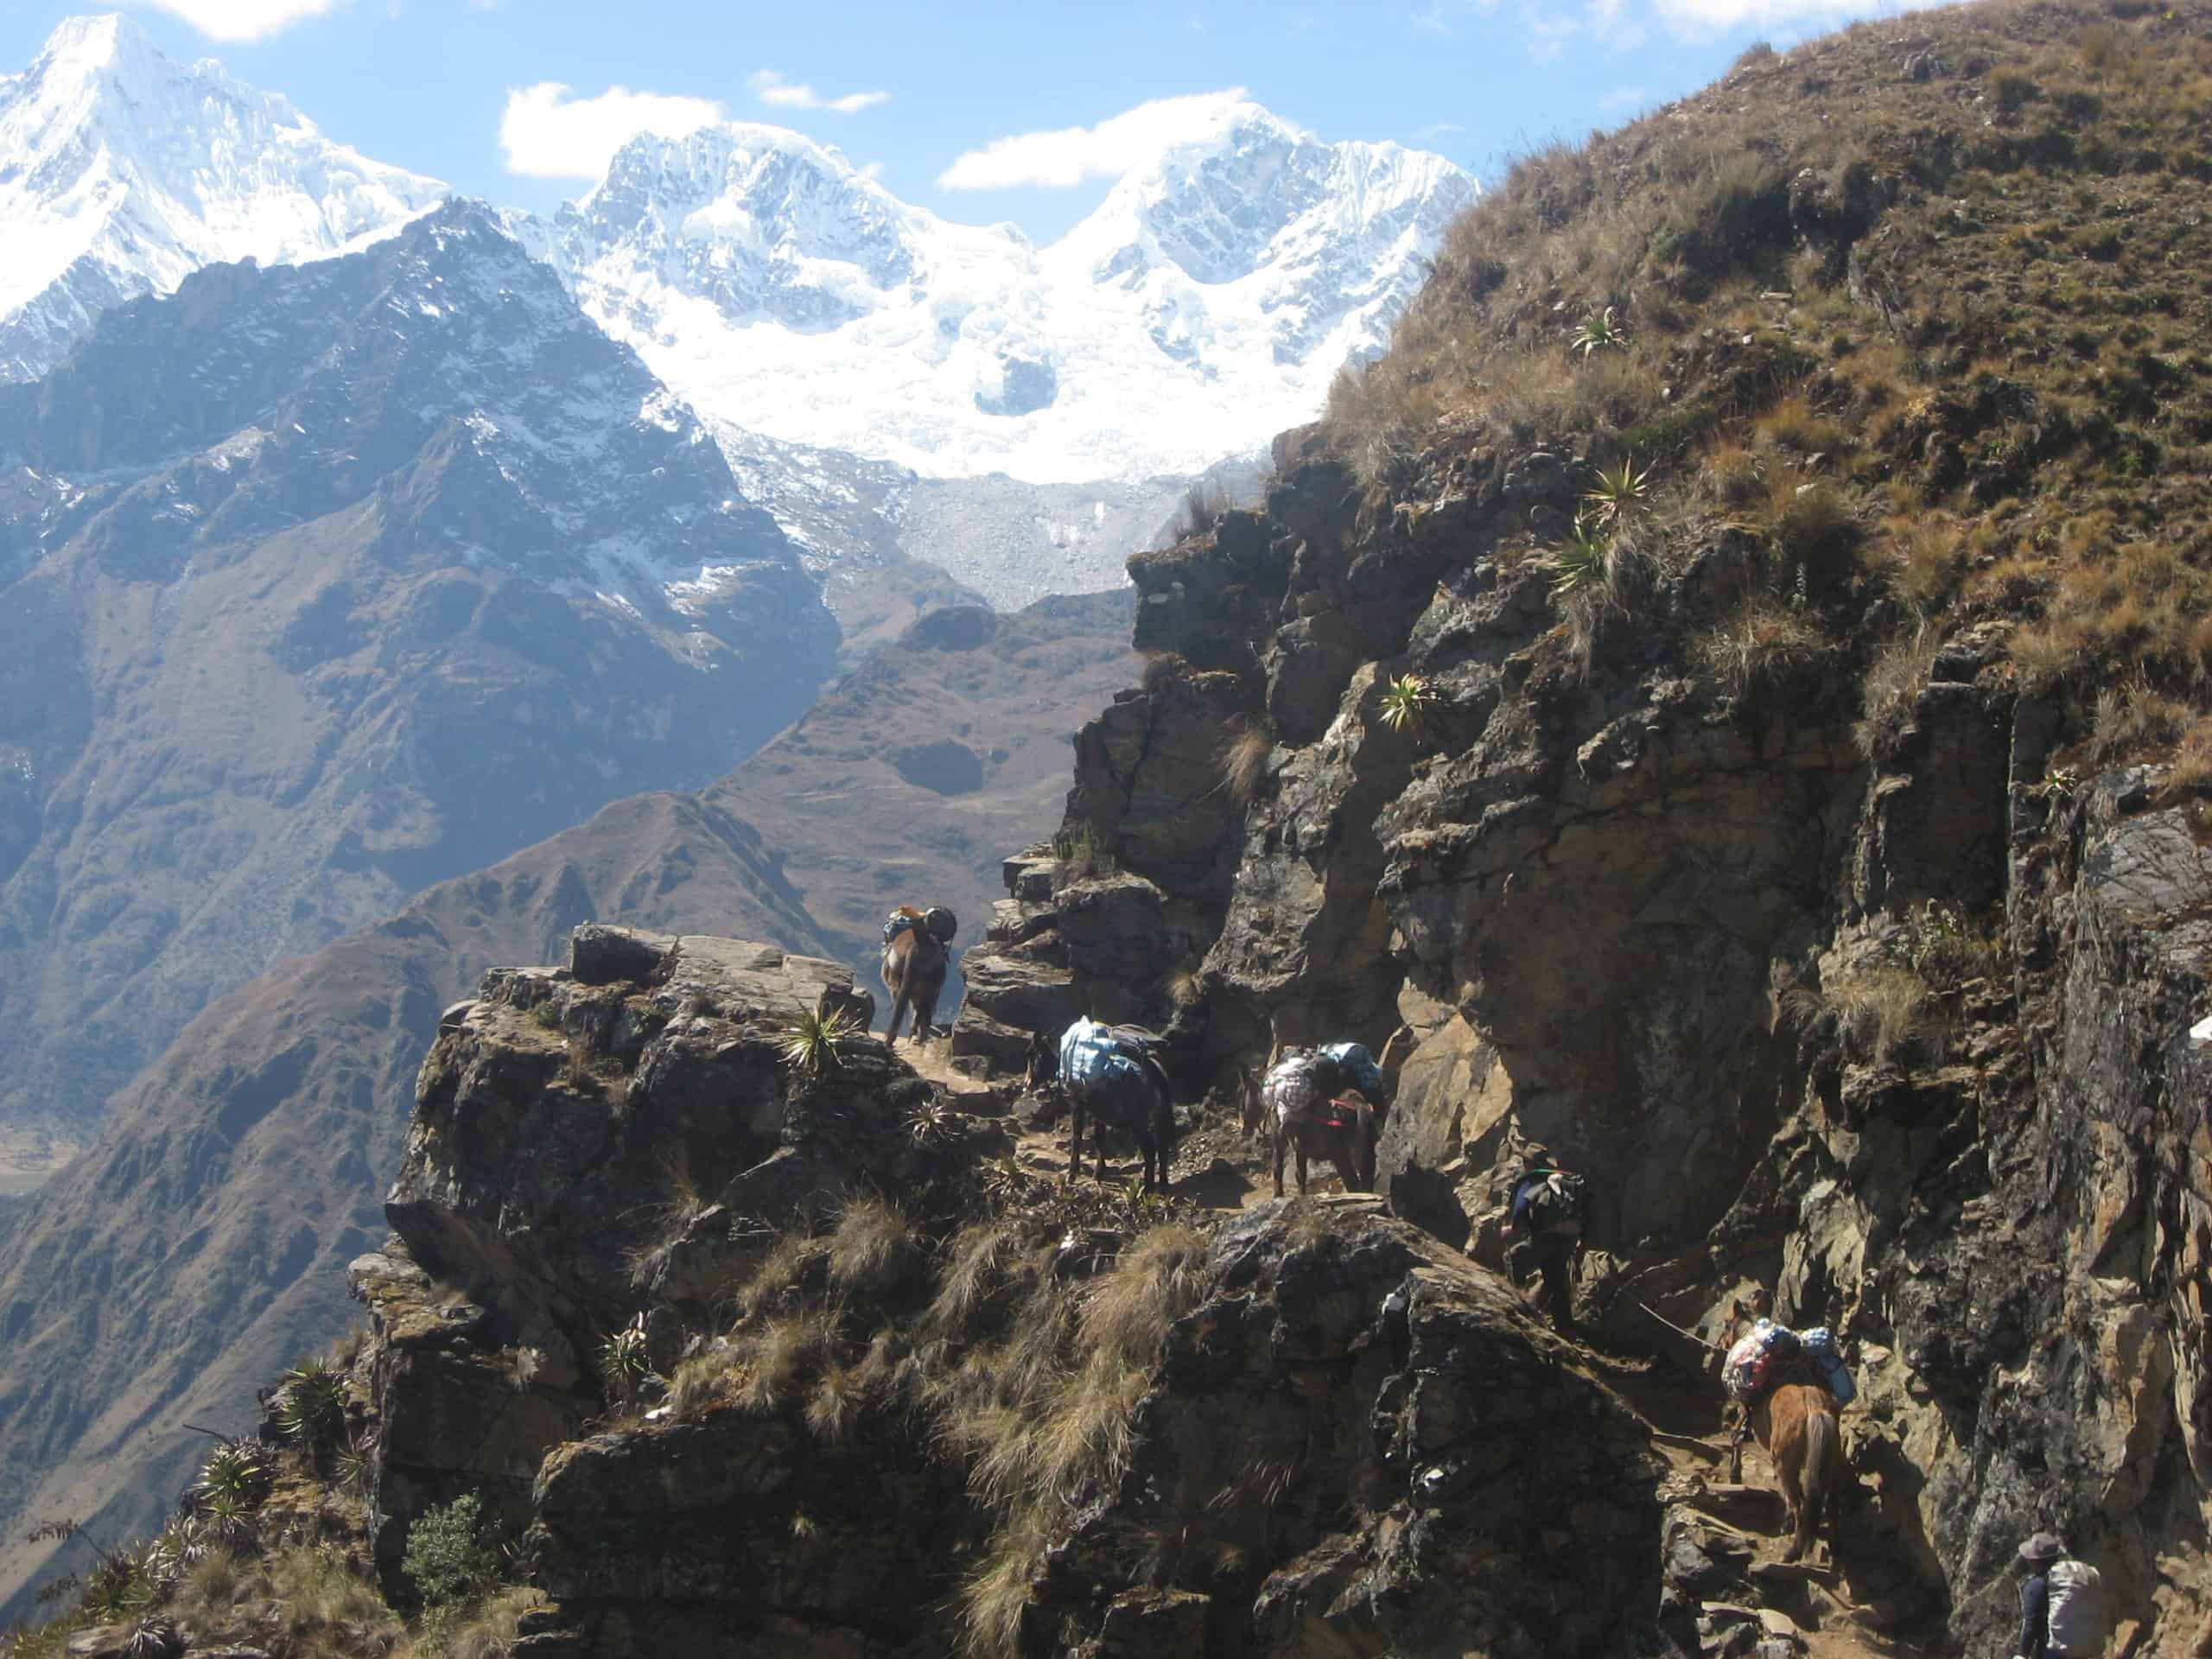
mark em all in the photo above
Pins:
pixel 471 91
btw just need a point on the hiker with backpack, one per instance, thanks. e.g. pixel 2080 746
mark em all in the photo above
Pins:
pixel 2061 1603
pixel 1548 1212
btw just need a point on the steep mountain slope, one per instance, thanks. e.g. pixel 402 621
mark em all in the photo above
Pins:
pixel 122 172
pixel 339 579
pixel 200 1240
pixel 1735 693
pixel 203 1238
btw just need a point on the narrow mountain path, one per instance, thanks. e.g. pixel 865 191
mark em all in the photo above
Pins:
pixel 1734 1533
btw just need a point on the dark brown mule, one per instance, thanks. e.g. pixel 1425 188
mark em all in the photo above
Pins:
pixel 914 965
pixel 1795 1422
pixel 1344 1132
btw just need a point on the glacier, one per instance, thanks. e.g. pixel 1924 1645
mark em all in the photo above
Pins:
pixel 122 172
pixel 1204 305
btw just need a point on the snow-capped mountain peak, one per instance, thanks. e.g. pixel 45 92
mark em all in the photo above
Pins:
pixel 1204 305
pixel 122 170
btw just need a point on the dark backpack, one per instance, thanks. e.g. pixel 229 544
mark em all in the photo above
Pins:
pixel 1548 1203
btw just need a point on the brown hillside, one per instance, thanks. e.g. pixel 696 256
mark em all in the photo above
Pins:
pixel 1919 307
pixel 201 1243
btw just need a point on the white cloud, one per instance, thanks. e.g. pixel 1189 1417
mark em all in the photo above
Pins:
pixel 1627 98
pixel 1066 156
pixel 243 20
pixel 547 134
pixel 1701 19
pixel 772 89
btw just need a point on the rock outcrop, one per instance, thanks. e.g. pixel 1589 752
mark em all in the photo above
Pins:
pixel 1322 1435
pixel 1652 926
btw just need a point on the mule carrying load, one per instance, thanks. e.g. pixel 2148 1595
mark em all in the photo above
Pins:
pixel 916 953
pixel 1109 1072
pixel 1787 1388
pixel 1303 1096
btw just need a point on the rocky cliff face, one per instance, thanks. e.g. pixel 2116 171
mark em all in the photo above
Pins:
pixel 1880 1034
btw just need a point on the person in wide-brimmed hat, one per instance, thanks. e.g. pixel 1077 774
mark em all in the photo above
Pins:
pixel 2061 1609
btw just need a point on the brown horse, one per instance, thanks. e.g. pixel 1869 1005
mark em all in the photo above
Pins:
pixel 914 966
pixel 1794 1420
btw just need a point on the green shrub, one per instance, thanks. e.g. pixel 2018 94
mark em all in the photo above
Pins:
pixel 449 1561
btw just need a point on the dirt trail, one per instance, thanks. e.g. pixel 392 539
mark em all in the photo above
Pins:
pixel 1221 1169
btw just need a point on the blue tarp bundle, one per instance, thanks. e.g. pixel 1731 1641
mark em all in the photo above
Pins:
pixel 1358 1064
pixel 1091 1052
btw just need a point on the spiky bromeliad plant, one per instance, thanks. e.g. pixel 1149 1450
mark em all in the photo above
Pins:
pixel 816 1040
pixel 235 1471
pixel 1579 563
pixel 1619 491
pixel 625 1363
pixel 312 1409
pixel 1405 700
pixel 1600 333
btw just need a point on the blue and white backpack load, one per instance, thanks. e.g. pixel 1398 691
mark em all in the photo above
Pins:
pixel 940 924
pixel 1090 1054
pixel 1753 1363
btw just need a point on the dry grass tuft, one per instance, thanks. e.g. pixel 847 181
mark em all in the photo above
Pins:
pixel 1894 682
pixel 996 1596
pixel 491 1631
pixel 1890 1014
pixel 2192 766
pixel 1765 640
pixel 703 1380
pixel 774 1357
pixel 976 1261
pixel 2135 722
pixel 1734 476
pixel 872 1247
pixel 785 1269
pixel 1127 1313
pixel 1244 762
pixel 835 1405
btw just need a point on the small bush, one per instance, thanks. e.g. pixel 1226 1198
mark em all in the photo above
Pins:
pixel 817 1041
pixel 449 1561
pixel 1405 701
pixel 625 1364
pixel 1757 53
pixel 312 1409
pixel 2013 88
